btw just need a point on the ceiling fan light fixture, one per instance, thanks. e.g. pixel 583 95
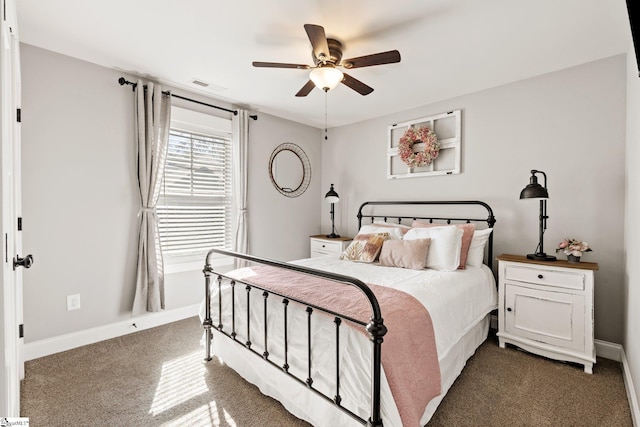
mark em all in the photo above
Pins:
pixel 326 78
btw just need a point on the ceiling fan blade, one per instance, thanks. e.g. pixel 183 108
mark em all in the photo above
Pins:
pixel 280 65
pixel 318 41
pixel 381 58
pixel 308 87
pixel 356 85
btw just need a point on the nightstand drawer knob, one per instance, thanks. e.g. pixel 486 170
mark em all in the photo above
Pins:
pixel 323 246
pixel 509 309
pixel 540 276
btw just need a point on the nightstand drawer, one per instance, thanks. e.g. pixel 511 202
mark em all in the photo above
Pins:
pixel 324 246
pixel 559 279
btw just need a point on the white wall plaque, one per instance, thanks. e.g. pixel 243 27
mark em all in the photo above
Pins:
pixel 447 127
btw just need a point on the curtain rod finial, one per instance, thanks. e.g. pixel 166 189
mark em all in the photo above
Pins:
pixel 124 81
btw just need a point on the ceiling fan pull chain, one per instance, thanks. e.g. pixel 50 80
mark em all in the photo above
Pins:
pixel 325 114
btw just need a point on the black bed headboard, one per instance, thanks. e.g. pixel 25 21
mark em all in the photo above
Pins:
pixel 490 220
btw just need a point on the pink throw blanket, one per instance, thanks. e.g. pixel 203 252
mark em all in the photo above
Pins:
pixel 409 354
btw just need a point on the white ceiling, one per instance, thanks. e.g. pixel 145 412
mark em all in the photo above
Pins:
pixel 448 47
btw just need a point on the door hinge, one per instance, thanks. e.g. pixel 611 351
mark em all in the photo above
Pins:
pixel 19 223
pixel 19 115
pixel 21 331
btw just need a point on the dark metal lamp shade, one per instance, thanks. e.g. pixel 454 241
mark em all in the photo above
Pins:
pixel 332 196
pixel 534 190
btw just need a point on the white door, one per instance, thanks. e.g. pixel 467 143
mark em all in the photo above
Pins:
pixel 10 186
pixel 19 259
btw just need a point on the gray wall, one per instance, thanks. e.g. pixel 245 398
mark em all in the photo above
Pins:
pixel 570 124
pixel 631 342
pixel 80 197
pixel 280 226
pixel 79 171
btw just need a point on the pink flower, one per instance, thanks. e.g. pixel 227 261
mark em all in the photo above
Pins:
pixel 573 247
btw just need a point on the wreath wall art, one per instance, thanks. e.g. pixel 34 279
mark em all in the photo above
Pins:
pixel 425 147
pixel 417 135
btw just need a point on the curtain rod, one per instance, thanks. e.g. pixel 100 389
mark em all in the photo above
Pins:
pixel 124 81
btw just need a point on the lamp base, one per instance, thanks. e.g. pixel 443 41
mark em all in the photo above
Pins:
pixel 541 257
pixel 333 236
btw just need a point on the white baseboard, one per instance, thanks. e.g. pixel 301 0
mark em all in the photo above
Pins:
pixel 631 391
pixel 608 350
pixel 45 347
pixel 615 352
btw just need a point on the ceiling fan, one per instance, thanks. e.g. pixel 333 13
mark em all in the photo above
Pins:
pixel 327 56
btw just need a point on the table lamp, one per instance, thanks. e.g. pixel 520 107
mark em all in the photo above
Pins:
pixel 333 198
pixel 536 191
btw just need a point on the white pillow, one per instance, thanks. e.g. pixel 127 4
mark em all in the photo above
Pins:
pixel 476 248
pixel 444 250
pixel 395 233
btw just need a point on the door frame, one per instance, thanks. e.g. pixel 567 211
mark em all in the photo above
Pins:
pixel 11 280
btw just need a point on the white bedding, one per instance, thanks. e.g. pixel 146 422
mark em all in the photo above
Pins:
pixel 458 303
pixel 473 290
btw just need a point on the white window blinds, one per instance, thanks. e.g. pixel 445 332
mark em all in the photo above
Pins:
pixel 194 207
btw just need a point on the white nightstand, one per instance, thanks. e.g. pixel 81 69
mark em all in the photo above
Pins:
pixel 546 308
pixel 323 245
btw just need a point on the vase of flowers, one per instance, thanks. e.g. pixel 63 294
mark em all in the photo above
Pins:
pixel 573 249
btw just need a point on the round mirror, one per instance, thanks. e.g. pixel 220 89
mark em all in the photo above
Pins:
pixel 290 170
pixel 287 171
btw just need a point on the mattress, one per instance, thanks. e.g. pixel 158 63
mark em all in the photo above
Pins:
pixel 458 302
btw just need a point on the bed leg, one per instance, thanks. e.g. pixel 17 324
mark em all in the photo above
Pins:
pixel 377 331
pixel 207 356
pixel 207 323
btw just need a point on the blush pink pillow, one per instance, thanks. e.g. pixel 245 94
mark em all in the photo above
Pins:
pixel 405 253
pixel 467 235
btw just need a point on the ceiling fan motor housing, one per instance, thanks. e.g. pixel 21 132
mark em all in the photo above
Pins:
pixel 335 53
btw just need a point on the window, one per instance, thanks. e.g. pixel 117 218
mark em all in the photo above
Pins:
pixel 195 203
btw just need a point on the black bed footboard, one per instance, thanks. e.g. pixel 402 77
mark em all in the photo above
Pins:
pixel 375 328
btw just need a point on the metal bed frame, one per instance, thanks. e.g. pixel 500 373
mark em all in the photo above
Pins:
pixel 375 328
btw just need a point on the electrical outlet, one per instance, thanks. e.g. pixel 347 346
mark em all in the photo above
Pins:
pixel 73 302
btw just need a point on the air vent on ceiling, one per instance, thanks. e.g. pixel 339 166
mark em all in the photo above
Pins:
pixel 200 83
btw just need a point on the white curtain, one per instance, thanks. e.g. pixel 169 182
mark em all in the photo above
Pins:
pixel 240 173
pixel 153 115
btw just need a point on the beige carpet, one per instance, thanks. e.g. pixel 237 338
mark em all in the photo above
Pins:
pixel 157 378
pixel 510 387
